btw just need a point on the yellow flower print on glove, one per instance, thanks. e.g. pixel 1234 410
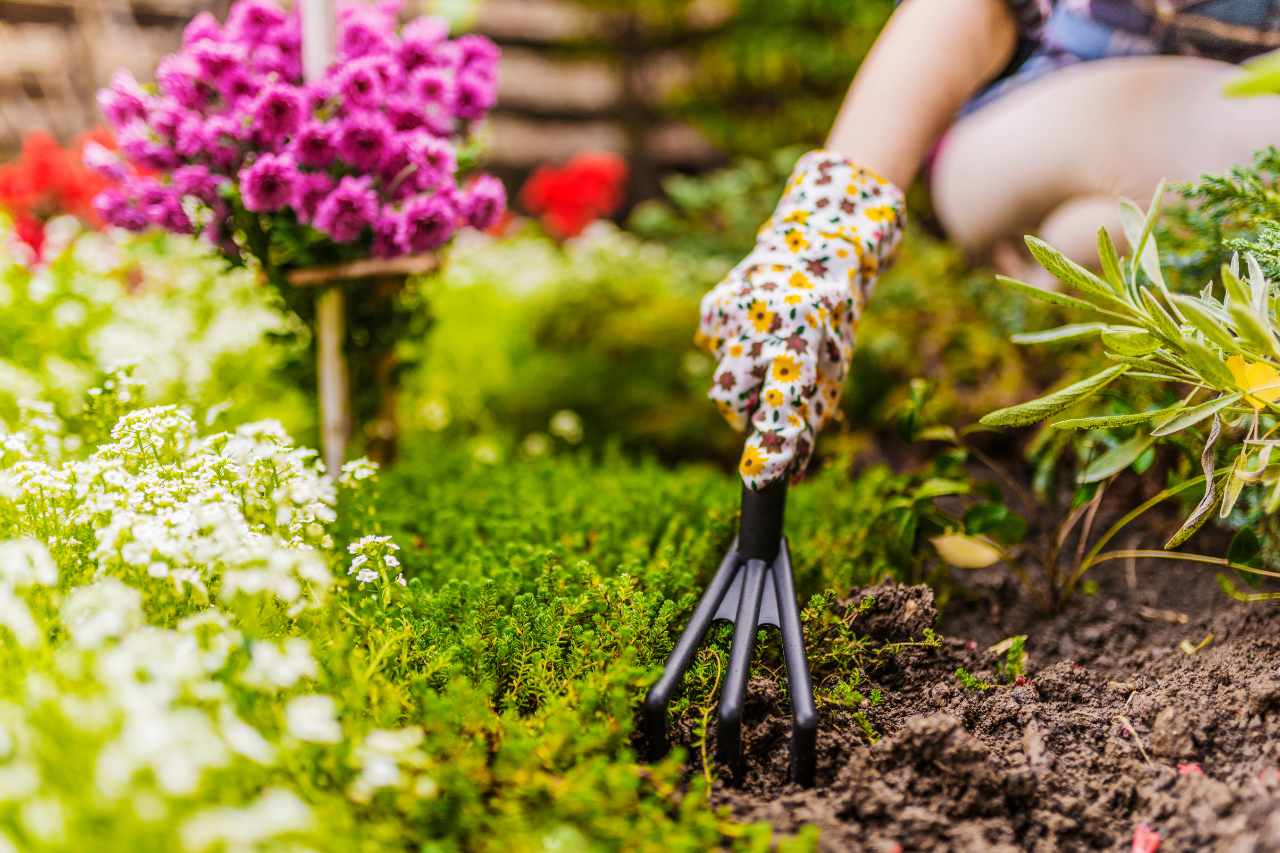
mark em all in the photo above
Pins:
pixel 782 323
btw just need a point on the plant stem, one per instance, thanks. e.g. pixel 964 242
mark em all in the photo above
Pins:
pixel 1120 525
pixel 1032 508
pixel 1088 522
pixel 1178 555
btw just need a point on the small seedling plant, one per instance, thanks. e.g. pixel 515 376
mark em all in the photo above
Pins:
pixel 1013 668
pixel 1222 353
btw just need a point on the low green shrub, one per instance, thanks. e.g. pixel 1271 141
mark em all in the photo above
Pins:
pixel 206 647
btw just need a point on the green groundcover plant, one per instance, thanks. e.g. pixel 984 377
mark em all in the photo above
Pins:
pixel 207 645
pixel 1223 352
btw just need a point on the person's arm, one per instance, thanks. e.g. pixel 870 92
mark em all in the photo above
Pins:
pixel 931 58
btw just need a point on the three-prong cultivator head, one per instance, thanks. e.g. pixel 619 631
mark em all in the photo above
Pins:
pixel 752 589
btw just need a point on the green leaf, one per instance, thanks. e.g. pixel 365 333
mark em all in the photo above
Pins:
pixel 1273 500
pixel 1194 415
pixel 1235 483
pixel 1143 462
pixel 1259 76
pixel 1073 332
pixel 1116 459
pixel 1112 421
pixel 1201 513
pixel 1252 328
pixel 1132 219
pixel 1149 364
pixel 1130 341
pixel 1161 322
pixel 1047 406
pixel 1046 295
pixel 1246 550
pixel 1135 224
pixel 1206 321
pixel 995 520
pixel 1259 287
pixel 1235 289
pixel 983 518
pixel 936 487
pixel 1110 259
pixel 1070 272
pixel 1012 530
pixel 1146 248
pixel 1207 365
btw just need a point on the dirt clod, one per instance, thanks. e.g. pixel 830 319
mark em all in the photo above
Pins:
pixel 899 612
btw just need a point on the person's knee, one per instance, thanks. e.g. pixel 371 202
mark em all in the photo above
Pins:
pixel 1072 227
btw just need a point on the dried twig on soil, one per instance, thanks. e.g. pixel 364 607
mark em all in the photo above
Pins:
pixel 1167 615
pixel 1133 732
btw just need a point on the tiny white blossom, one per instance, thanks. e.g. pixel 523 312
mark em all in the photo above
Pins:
pixel 313 718
pixel 25 561
pixel 367 576
pixel 271 667
pixel 101 610
pixel 400 579
pixel 357 563
pixel 276 812
pixel 390 561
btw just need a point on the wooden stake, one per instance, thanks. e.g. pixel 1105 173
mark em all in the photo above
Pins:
pixel 331 371
pixel 318 48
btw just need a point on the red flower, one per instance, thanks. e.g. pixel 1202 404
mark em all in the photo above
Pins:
pixel 588 187
pixel 47 180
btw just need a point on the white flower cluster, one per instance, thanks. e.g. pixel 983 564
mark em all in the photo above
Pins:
pixel 372 557
pixel 150 592
pixel 245 510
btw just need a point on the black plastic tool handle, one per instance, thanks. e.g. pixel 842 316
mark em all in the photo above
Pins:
pixel 760 530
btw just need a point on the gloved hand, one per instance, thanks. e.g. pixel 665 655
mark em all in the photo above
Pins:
pixel 782 322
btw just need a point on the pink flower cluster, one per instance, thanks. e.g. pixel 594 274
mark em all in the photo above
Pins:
pixel 366 153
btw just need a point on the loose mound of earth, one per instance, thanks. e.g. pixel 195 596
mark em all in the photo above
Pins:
pixel 1057 764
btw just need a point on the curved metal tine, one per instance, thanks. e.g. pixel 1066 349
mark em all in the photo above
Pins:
pixel 804 717
pixel 686 648
pixel 733 694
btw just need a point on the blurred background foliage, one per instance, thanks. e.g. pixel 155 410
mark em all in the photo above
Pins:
pixel 774 74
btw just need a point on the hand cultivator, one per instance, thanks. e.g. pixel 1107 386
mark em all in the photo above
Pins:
pixel 752 589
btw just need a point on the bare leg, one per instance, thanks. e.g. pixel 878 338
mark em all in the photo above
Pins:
pixel 1052 157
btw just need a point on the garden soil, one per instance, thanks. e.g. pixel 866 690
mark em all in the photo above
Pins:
pixel 1056 764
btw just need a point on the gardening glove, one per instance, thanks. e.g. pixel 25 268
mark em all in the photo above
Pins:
pixel 782 322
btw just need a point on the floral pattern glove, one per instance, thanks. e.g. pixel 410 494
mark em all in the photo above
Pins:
pixel 782 322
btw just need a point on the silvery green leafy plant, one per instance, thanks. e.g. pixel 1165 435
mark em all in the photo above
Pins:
pixel 1224 352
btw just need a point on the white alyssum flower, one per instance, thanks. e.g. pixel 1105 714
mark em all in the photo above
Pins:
pixel 244 739
pixel 24 562
pixel 275 667
pixel 313 718
pixel 357 470
pixel 382 756
pixel 276 812
pixel 102 610
pixel 16 616
pixel 367 575
pixel 400 579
